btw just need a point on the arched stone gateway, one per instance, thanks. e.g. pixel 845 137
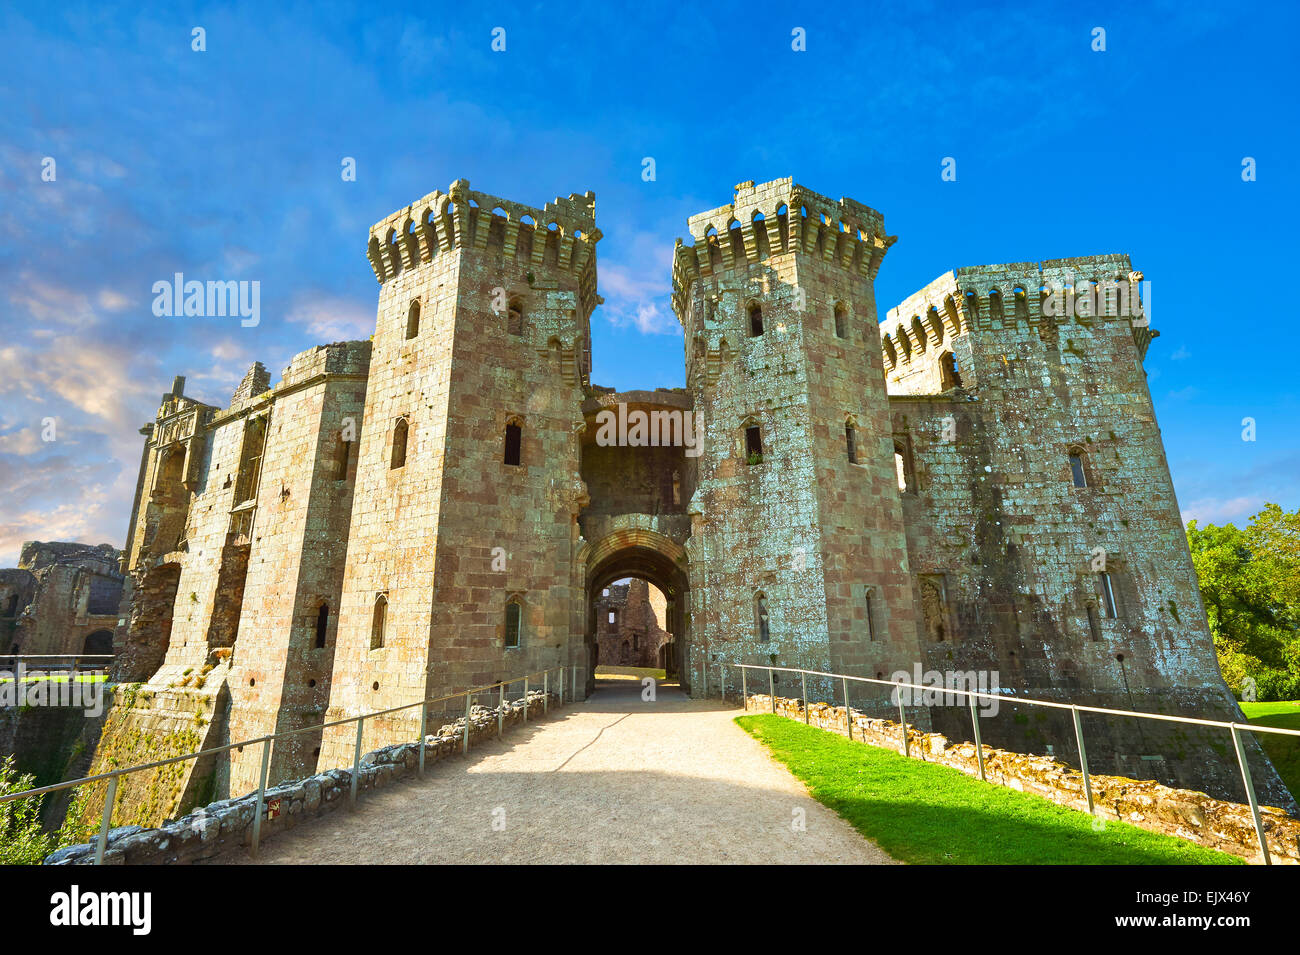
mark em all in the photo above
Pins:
pixel 638 552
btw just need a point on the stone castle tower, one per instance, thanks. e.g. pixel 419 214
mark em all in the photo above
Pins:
pixel 468 474
pixel 799 531
pixel 975 483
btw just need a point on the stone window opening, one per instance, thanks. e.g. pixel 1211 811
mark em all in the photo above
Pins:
pixel 755 320
pixel 400 432
pixel 322 624
pixel 904 465
pixel 850 441
pixel 934 607
pixel 514 444
pixel 12 608
pixel 761 618
pixel 413 320
pixel 841 320
pixel 99 643
pixel 514 623
pixel 613 621
pixel 342 457
pixel 753 444
pixel 949 371
pixel 250 460
pixel 379 622
pixel 868 604
pixel 1094 621
pixel 636 641
pixel 515 317
pixel 1108 595
pixel 1078 467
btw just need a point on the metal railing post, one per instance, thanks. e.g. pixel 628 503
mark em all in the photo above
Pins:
pixel 356 763
pixel 722 681
pixel 575 682
pixel 902 718
pixel 804 677
pixel 1083 758
pixel 704 678
pixel 501 712
pixel 560 697
pixel 771 687
pixel 848 710
pixel 464 743
pixel 979 747
pixel 525 699
pixel 102 841
pixel 744 689
pixel 261 796
pixel 546 692
pixel 424 716
pixel 1250 794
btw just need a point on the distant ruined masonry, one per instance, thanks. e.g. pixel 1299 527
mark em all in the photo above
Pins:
pixel 970 484
pixel 61 599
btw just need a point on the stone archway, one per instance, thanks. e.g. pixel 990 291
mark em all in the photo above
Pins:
pixel 637 552
pixel 99 643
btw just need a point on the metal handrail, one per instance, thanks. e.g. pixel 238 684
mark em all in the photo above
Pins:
pixel 972 696
pixel 267 741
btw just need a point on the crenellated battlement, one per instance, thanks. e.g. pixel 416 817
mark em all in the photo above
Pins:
pixel 758 224
pixel 988 297
pixel 562 233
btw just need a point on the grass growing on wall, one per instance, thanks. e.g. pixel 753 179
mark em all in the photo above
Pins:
pixel 1283 751
pixel 924 813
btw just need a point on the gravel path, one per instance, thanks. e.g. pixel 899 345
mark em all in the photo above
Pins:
pixel 611 780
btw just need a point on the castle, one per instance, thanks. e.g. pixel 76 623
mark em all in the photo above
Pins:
pixel 975 483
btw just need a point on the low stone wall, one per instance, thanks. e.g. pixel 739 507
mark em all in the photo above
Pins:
pixel 227 825
pixel 1215 824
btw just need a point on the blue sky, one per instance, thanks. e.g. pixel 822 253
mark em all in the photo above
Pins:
pixel 225 164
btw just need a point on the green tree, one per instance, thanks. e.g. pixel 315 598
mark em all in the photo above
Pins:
pixel 22 841
pixel 1250 582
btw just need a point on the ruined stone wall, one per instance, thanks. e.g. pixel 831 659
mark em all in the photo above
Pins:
pixel 240 528
pixel 60 595
pixel 1008 553
pixel 16 590
pixel 280 676
pixel 637 632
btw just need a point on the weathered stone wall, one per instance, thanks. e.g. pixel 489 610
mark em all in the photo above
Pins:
pixel 1012 560
pixel 52 743
pixel 799 535
pixel 449 538
pixel 280 676
pixel 635 636
pixel 1215 824
pixel 144 725
pixel 59 596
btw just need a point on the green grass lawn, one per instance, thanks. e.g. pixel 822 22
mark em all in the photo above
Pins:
pixel 1283 751
pixel 922 812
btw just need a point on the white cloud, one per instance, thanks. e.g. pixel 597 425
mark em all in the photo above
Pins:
pixel 633 299
pixel 331 319
pixel 1217 510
